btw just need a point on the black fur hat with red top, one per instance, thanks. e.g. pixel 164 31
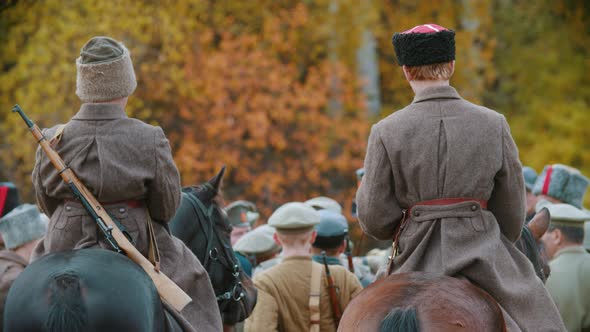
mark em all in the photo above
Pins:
pixel 424 45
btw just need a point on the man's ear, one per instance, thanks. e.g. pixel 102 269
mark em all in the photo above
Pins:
pixel 452 67
pixel 277 240
pixel 314 234
pixel 407 73
pixel 558 236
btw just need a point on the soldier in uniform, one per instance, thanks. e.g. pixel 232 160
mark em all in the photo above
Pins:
pixel 128 166
pixel 443 177
pixel 569 282
pixel 284 301
pixel 258 245
pixel 21 229
pixel 242 216
pixel 331 243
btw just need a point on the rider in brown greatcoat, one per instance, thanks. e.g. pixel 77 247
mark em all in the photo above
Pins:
pixel 453 167
pixel 128 166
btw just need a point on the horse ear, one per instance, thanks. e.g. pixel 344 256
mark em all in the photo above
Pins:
pixel 540 223
pixel 215 182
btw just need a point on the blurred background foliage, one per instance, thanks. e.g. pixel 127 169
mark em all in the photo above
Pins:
pixel 284 92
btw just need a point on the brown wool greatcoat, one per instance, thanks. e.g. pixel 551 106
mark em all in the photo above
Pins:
pixel 442 146
pixel 11 265
pixel 121 159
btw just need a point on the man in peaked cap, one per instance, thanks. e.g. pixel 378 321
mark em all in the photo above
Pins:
pixel 284 301
pixel 530 176
pixel 561 184
pixel 21 229
pixel 568 282
pixel 442 158
pixel 242 216
pixel 128 166
pixel 331 242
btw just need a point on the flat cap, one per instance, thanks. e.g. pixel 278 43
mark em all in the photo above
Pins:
pixel 294 217
pixel 322 202
pixel 259 241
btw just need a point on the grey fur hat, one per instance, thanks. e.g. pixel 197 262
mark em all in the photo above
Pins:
pixel 562 182
pixel 105 71
pixel 22 225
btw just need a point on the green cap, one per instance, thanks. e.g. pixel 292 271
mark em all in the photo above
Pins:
pixel 331 230
pixel 324 203
pixel 294 217
pixel 242 213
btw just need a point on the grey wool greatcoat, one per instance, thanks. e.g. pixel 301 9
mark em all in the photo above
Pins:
pixel 442 146
pixel 121 159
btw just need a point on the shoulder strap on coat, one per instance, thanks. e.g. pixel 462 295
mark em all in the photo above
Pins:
pixel 314 296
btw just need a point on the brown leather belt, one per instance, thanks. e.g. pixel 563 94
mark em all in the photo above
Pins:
pixel 448 201
pixel 441 201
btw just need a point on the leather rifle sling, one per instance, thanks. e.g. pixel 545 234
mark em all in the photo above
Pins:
pixel 153 251
pixel 314 297
pixel 54 141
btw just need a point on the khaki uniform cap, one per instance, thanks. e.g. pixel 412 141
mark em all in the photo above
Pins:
pixel 564 214
pixel 324 203
pixel 294 217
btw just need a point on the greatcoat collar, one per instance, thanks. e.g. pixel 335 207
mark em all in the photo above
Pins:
pixel 100 111
pixel 7 255
pixel 437 92
pixel 570 249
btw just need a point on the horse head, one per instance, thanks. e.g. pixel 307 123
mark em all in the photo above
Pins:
pixel 530 243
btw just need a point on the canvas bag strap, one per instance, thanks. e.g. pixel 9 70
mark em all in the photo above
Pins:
pixel 314 296
pixel 153 251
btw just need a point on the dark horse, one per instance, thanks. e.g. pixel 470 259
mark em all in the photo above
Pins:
pixel 412 302
pixel 203 226
pixel 85 290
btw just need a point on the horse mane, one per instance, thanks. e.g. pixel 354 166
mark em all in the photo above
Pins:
pixel 67 311
pixel 400 320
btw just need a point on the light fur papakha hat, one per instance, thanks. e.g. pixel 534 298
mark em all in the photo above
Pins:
pixel 562 182
pixel 105 71
pixel 22 225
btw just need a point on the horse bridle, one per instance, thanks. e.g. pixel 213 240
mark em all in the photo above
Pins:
pixel 212 253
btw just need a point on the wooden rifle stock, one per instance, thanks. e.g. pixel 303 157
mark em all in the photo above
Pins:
pixel 168 290
pixel 333 292
pixel 349 254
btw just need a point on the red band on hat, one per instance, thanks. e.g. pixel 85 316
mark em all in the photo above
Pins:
pixel 426 28
pixel 3 194
pixel 547 180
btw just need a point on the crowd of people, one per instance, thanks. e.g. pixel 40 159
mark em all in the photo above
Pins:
pixel 442 182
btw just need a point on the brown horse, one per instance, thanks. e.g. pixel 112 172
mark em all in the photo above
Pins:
pixel 412 302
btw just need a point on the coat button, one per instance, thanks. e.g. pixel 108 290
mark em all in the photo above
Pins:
pixel 473 207
pixel 417 213
pixel 68 208
pixel 121 210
